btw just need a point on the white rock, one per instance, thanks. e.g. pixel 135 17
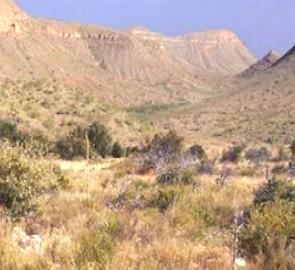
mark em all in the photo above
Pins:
pixel 240 262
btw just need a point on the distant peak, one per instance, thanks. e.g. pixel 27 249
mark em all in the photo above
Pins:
pixel 273 54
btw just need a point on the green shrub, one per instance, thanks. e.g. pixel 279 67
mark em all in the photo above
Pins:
pixel 22 182
pixel 73 145
pixel 232 154
pixel 100 139
pixel 275 221
pixel 197 151
pixel 117 150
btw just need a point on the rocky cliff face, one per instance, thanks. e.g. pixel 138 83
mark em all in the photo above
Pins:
pixel 12 18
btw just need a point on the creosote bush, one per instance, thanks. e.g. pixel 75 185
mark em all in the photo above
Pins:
pixel 117 150
pixel 197 151
pixel 232 154
pixel 22 182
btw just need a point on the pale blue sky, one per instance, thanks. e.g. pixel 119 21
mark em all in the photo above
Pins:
pixel 261 24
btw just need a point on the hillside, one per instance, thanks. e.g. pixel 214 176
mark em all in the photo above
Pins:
pixel 115 63
pixel 257 108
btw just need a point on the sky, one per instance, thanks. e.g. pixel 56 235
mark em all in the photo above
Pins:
pixel 262 25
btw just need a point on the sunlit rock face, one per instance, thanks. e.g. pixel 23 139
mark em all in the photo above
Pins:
pixel 12 18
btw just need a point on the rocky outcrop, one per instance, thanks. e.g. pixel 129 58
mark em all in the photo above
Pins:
pixel 266 62
pixel 12 18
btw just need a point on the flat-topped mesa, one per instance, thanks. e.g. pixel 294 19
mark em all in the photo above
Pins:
pixel 11 17
pixel 212 36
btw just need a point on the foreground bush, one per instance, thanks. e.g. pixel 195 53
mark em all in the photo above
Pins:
pixel 269 231
pixel 23 182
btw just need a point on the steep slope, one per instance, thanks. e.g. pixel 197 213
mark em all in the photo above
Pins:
pixel 266 62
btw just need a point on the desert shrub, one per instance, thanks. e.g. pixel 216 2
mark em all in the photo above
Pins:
pixel 197 151
pixel 9 131
pixel 257 155
pixel 178 175
pixel 37 146
pixel 100 139
pixel 232 154
pixel 267 226
pixel 163 199
pixel 73 145
pixel 117 150
pixel 162 149
pixel 23 182
pixel 273 190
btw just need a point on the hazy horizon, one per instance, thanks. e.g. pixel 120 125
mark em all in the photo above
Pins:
pixel 261 26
